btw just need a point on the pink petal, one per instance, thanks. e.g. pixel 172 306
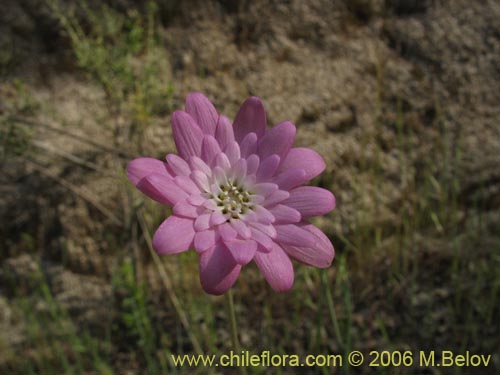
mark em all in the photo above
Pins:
pixel 162 189
pixel 174 235
pixel 227 232
pixel 204 240
pixel 304 158
pixel 251 118
pixel 241 228
pixel 290 178
pixel 220 176
pixel 268 167
pixel 210 204
pixel 209 149
pixel 224 133
pixel 201 180
pixel 248 145
pixel 320 255
pixel 285 215
pixel 249 216
pixel 265 228
pixel 202 222
pixel 275 198
pixel 276 268
pixel 184 209
pixel 187 184
pixel 217 218
pixel 242 251
pixel 202 111
pixel 252 164
pixel 139 168
pixel 249 180
pixel 223 162
pixel 294 235
pixel 187 134
pixel 240 169
pixel 199 165
pixel 311 201
pixel 257 199
pixel 263 239
pixel 263 215
pixel 178 165
pixel 265 189
pixel 232 152
pixel 278 140
pixel 218 270
pixel 196 200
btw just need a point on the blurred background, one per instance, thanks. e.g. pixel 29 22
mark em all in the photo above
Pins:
pixel 401 97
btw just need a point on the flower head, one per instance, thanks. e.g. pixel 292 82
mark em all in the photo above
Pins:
pixel 236 195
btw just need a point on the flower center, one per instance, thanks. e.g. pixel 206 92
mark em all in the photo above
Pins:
pixel 233 199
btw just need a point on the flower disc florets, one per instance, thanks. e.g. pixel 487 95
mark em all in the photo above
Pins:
pixel 232 199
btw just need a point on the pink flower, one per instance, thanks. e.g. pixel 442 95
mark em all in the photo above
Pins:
pixel 236 195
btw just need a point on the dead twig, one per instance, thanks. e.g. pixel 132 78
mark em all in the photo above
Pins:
pixel 75 159
pixel 75 190
pixel 57 129
pixel 167 283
